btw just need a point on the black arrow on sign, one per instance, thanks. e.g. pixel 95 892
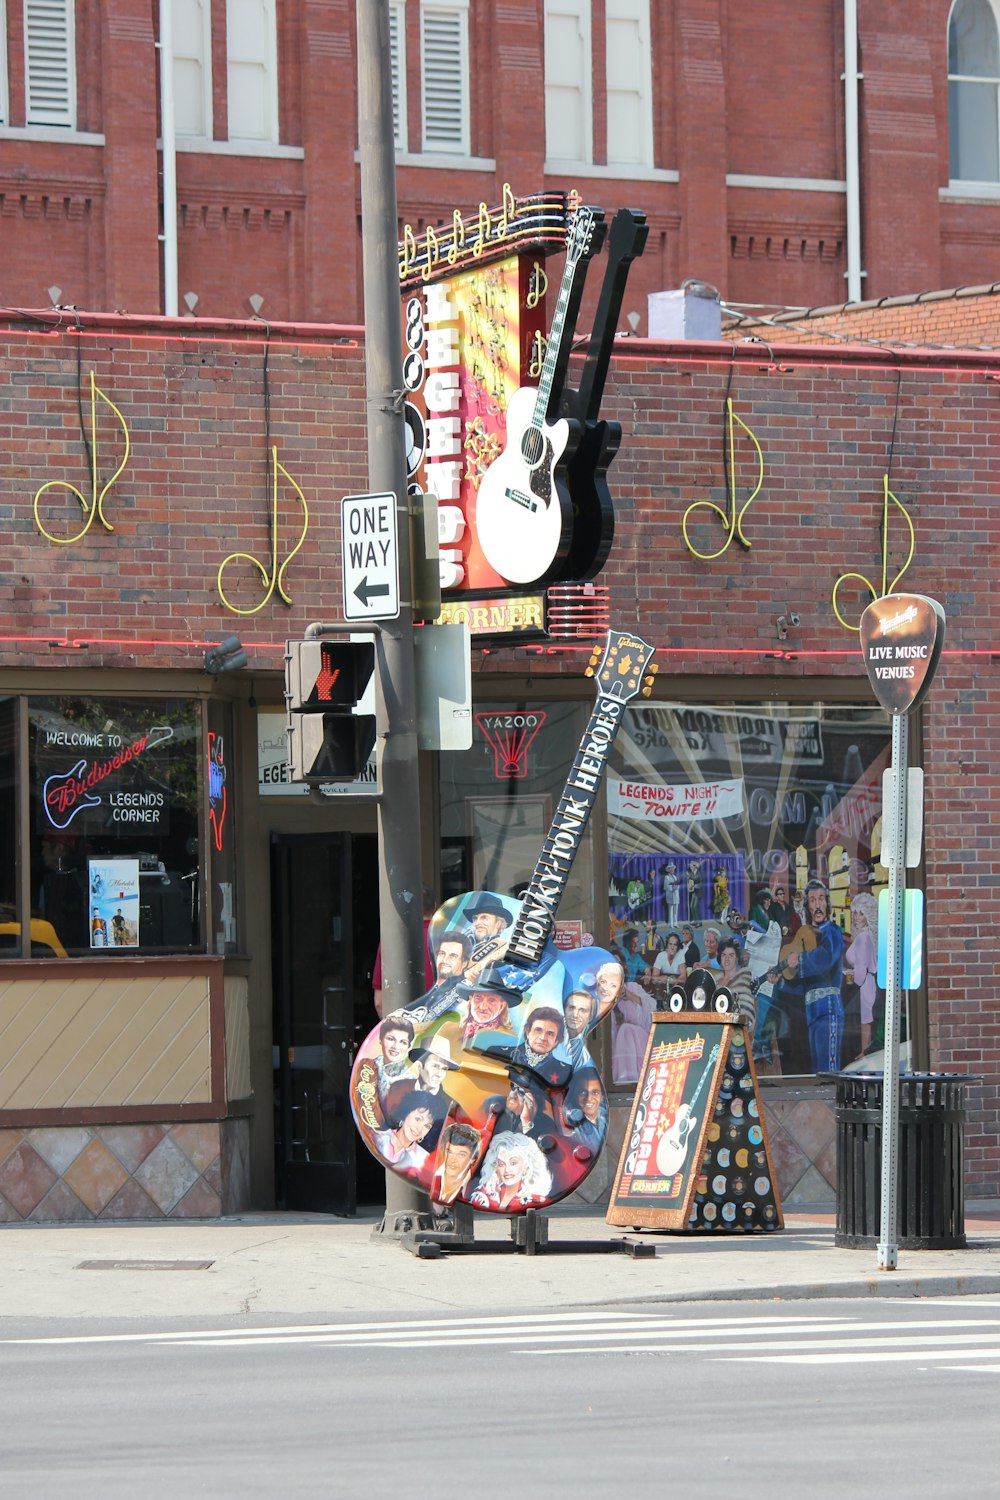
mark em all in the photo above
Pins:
pixel 364 592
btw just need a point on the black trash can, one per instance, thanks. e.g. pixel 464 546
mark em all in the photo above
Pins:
pixel 931 1205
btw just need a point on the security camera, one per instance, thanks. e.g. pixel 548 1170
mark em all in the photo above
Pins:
pixel 793 618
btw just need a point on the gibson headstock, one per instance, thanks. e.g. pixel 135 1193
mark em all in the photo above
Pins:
pixel 622 672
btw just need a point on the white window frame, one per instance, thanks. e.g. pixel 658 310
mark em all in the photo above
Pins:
pixel 459 9
pixel 269 133
pixel 979 79
pixel 206 80
pixel 65 116
pixel 397 71
pixel 582 8
pixel 637 11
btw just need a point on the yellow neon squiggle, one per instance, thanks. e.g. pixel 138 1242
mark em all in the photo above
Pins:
pixel 733 520
pixel 96 504
pixel 275 579
pixel 887 495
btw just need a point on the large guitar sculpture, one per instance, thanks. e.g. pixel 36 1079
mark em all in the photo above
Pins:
pixel 483 1090
pixel 524 514
pixel 599 441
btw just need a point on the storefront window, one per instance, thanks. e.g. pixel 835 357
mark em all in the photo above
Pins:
pixel 498 799
pixel 743 844
pixel 115 787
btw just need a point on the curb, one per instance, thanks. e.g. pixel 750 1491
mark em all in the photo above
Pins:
pixel 887 1284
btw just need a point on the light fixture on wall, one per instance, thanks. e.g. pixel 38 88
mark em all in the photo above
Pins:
pixel 632 319
pixel 191 300
pixel 786 622
pixel 255 302
pixel 227 655
pixel 55 295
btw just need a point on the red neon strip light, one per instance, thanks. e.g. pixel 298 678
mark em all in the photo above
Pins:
pixel 80 642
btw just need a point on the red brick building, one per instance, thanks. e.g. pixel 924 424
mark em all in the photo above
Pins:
pixel 727 128
pixel 157 1080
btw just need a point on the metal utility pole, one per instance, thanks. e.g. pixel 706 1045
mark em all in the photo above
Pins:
pixel 399 825
pixel 894 844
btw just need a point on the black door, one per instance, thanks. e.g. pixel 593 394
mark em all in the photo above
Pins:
pixel 324 926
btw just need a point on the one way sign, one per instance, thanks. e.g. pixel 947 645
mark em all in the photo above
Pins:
pixel 371 557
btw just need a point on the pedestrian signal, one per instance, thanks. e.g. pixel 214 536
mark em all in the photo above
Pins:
pixel 329 693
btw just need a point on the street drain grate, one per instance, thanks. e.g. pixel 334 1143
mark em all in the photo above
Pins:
pixel 145 1265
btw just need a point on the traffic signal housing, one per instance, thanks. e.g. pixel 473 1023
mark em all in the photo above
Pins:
pixel 330 698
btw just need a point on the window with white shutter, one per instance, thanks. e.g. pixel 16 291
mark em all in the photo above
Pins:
pixel 397 68
pixel 252 55
pixel 444 72
pixel 568 93
pixel 193 68
pixel 49 62
pixel 630 83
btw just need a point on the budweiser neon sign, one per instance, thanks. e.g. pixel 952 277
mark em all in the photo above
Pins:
pixel 70 792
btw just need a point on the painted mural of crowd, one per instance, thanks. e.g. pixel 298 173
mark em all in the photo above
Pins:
pixel 484 1090
pixel 806 988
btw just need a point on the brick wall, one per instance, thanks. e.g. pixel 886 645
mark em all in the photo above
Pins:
pixel 194 492
pixel 754 91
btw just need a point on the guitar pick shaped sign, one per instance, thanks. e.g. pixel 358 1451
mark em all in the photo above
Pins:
pixel 901 640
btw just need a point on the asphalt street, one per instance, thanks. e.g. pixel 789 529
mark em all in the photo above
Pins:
pixel 812 1397
pixel 296 1355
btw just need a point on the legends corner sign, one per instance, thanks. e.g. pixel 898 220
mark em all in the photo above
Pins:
pixel 901 640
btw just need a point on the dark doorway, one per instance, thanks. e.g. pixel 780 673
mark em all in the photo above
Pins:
pixel 324 927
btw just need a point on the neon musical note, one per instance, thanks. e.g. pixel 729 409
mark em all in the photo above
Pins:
pixel 275 578
pixel 409 251
pixel 538 346
pixel 95 507
pixel 432 249
pixel 733 519
pixel 457 236
pixel 483 225
pixel 508 210
pixel 538 285
pixel 887 495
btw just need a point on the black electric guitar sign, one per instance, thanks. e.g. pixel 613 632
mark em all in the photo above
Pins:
pixel 587 469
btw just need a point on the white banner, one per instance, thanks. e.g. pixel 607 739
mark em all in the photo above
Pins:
pixel 678 803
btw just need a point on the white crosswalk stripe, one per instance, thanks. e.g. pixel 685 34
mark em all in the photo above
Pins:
pixel 959 1342
pixel 414 1330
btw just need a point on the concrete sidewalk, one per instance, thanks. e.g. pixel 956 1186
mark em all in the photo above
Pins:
pixel 284 1267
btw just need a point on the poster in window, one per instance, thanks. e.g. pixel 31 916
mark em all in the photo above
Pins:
pixel 114 903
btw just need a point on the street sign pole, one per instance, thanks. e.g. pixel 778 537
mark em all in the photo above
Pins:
pixel 399 825
pixel 901 639
pixel 894 858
